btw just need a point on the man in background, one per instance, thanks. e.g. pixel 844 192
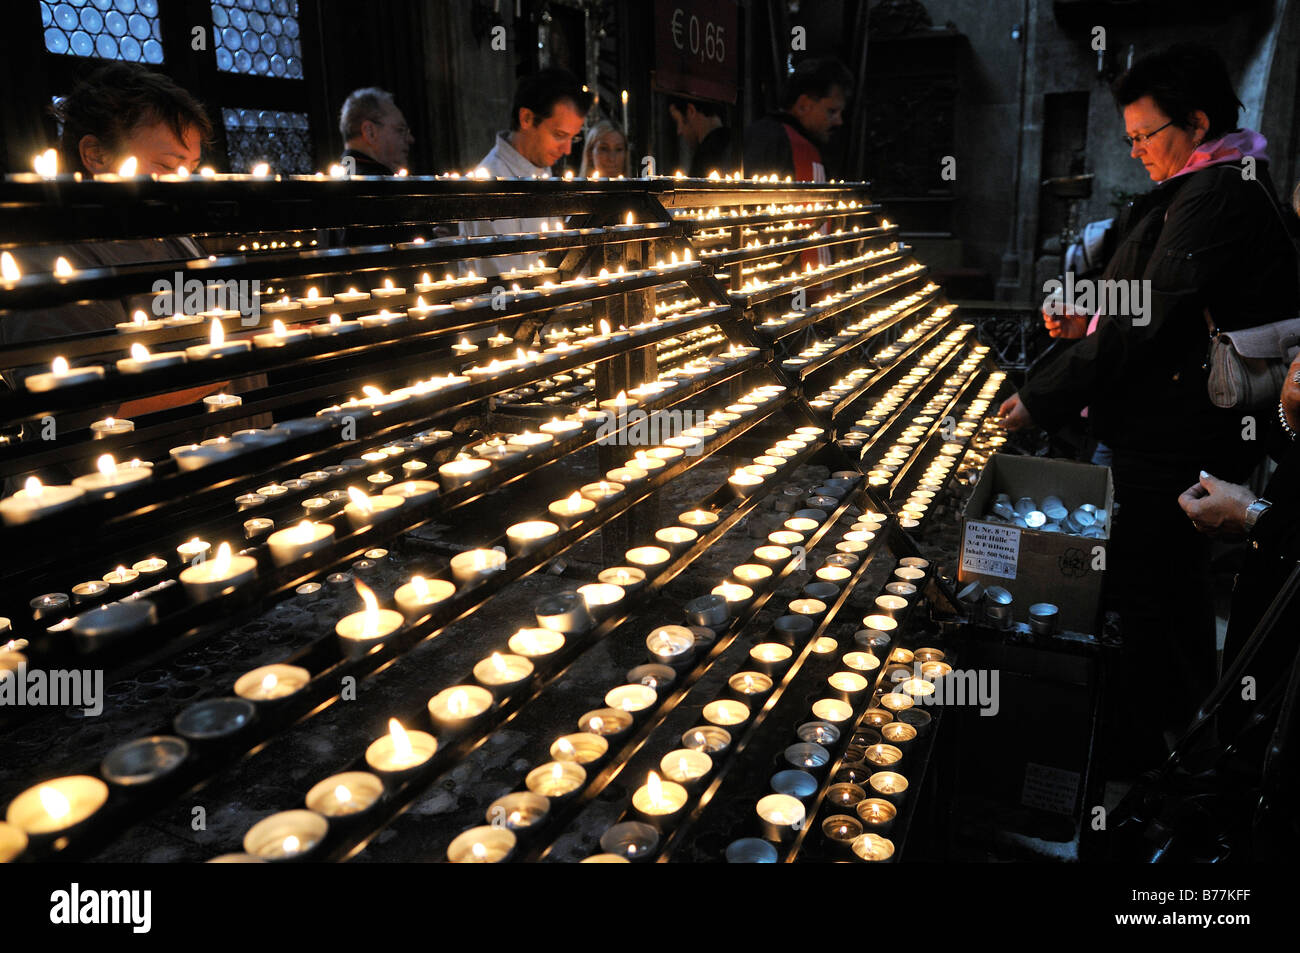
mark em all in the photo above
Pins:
pixel 546 115
pixel 788 142
pixel 699 125
pixel 376 137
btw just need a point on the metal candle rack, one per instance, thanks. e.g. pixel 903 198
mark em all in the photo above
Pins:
pixel 293 232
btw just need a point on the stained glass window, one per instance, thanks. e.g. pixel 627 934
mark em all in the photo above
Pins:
pixel 282 139
pixel 108 29
pixel 258 37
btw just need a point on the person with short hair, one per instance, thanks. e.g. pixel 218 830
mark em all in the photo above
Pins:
pixel 376 138
pixel 605 151
pixel 699 124
pixel 547 113
pixel 787 142
pixel 124 110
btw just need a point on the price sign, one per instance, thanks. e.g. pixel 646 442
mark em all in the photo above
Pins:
pixel 696 50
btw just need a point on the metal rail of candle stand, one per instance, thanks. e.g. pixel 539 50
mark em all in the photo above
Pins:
pixel 396 803
pixel 885 373
pixel 613 764
pixel 446 502
pixel 319 694
pixel 819 313
pixel 17 405
pixel 709 795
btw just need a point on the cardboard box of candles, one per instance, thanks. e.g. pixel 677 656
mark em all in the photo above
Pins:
pixel 1038 529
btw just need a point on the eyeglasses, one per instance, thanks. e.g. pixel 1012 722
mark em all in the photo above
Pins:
pixel 1142 137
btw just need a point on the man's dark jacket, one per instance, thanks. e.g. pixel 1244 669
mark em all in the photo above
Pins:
pixel 364 164
pixel 1212 238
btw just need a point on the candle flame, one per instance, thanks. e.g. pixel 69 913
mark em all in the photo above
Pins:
pixel 370 617
pixel 269 683
pixel 360 500
pixel 222 563
pixel 604 325
pixel 597 724
pixel 303 532
pixel 683 767
pixel 9 269
pixel 421 588
pixel 557 771
pixel 106 465
pixel 55 803
pixel 278 328
pixel 128 167
pixel 46 163
pixel 218 336
pixel 63 268
pixel 479 851
pixel 565 748
pixel 388 284
pixel 342 794
pixel 261 169
pixel 403 753
pixel 182 172
pixel 292 845
pixel 499 664
pixel 458 702
pixel 631 219
pixel 33 487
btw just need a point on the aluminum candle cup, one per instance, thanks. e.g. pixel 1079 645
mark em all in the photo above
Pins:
pixel 360 632
pixel 710 739
pixel 649 559
pixel 876 814
pixel 271 683
pixel 401 753
pixel 631 840
pixel 287 836
pixel 918 718
pixel 870 848
pixel 889 785
pixel 557 780
pixel 475 566
pixel 793 628
pixel 1043 618
pixel 780 817
pixel 892 606
pixel 345 797
pixel 671 645
pixel 222 574
pixel 686 766
pixel 848 686
pixel 737 596
pixel 770 658
pixel 564 612
pixel 634 699
pixel 299 541
pixel 144 760
pixel 676 539
pixel 627 578
pixel 482 845
pixel 754 575
pixel 898 734
pixel 910 574
pixel 711 611
pixel 609 723
pixel 418 596
pixel 503 673
pixel 363 510
pixel 726 713
pixel 844 796
pixel 748 686
pixel 521 811
pixel 998 604
pixel 529 536
pixel 807 756
pixel 834 710
pixel 462 471
pixel 456 708
pixel 536 643
pixel 659 677
pixel 840 831
pixel 774 557
pixel 659 803
pixel 583 748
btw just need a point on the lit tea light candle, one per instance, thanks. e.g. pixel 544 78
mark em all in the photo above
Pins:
pixel 749 684
pixel 215 402
pixel 382 319
pixel 648 557
pixel 518 811
pixel 36 500
pixel 57 805
pixel 110 477
pixel 583 748
pixel 335 325
pixel 453 709
pixel 503 672
pixel 280 335
pixel 685 766
pixel 419 595
pixel 898 733
pixel 642 460
pixel 834 710
pixel 671 644
pixel 351 296
pixel 360 632
pixel 861 661
pixel 388 290
pixel 363 510
pixel 600 597
pixel 871 848
pixel 462 471
pixel 477 565
pixel 529 536
pixel 529 442
pixel 62 375
pixel 536 643
pixel 785 538
pixel 219 575
pixel 780 816
pixel 659 803
pixel 345 795
pixel 738 596
pixel 753 575
pixel 773 556
pixel 916 687
pixel 770 657
pixel 606 722
pixel 602 492
pixel 142 360
pixel 896 701
pixel 891 605
pixel 556 779
pixel 299 542
pixel 560 429
pixel 889 785
pixel 880 623
pixel 111 427
pixel 400 752
pixel 726 713
pixel 710 739
pixel 271 682
pixel 620 405
pixel 743 483
pixel 217 345
pixel 676 538
pixel 848 685
pixel 121 576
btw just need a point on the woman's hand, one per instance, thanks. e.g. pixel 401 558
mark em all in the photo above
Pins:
pixel 1013 414
pixel 1215 507
pixel 1062 321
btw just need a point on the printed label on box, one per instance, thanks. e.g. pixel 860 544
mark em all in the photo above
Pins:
pixel 991 549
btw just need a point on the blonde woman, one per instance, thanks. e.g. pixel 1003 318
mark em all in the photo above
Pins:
pixel 605 152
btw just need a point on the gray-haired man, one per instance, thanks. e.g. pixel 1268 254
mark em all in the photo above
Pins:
pixel 375 133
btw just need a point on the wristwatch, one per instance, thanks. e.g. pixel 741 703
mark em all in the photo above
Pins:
pixel 1253 512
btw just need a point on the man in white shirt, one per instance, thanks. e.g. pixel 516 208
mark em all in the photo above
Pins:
pixel 547 114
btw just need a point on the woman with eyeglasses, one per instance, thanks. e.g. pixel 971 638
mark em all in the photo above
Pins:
pixel 605 152
pixel 1208 242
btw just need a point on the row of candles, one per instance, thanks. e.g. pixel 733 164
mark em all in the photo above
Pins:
pixel 875 737
pixel 359 633
pixel 671 650
pixel 658 806
pixel 834 301
pixel 795 280
pixel 566 615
